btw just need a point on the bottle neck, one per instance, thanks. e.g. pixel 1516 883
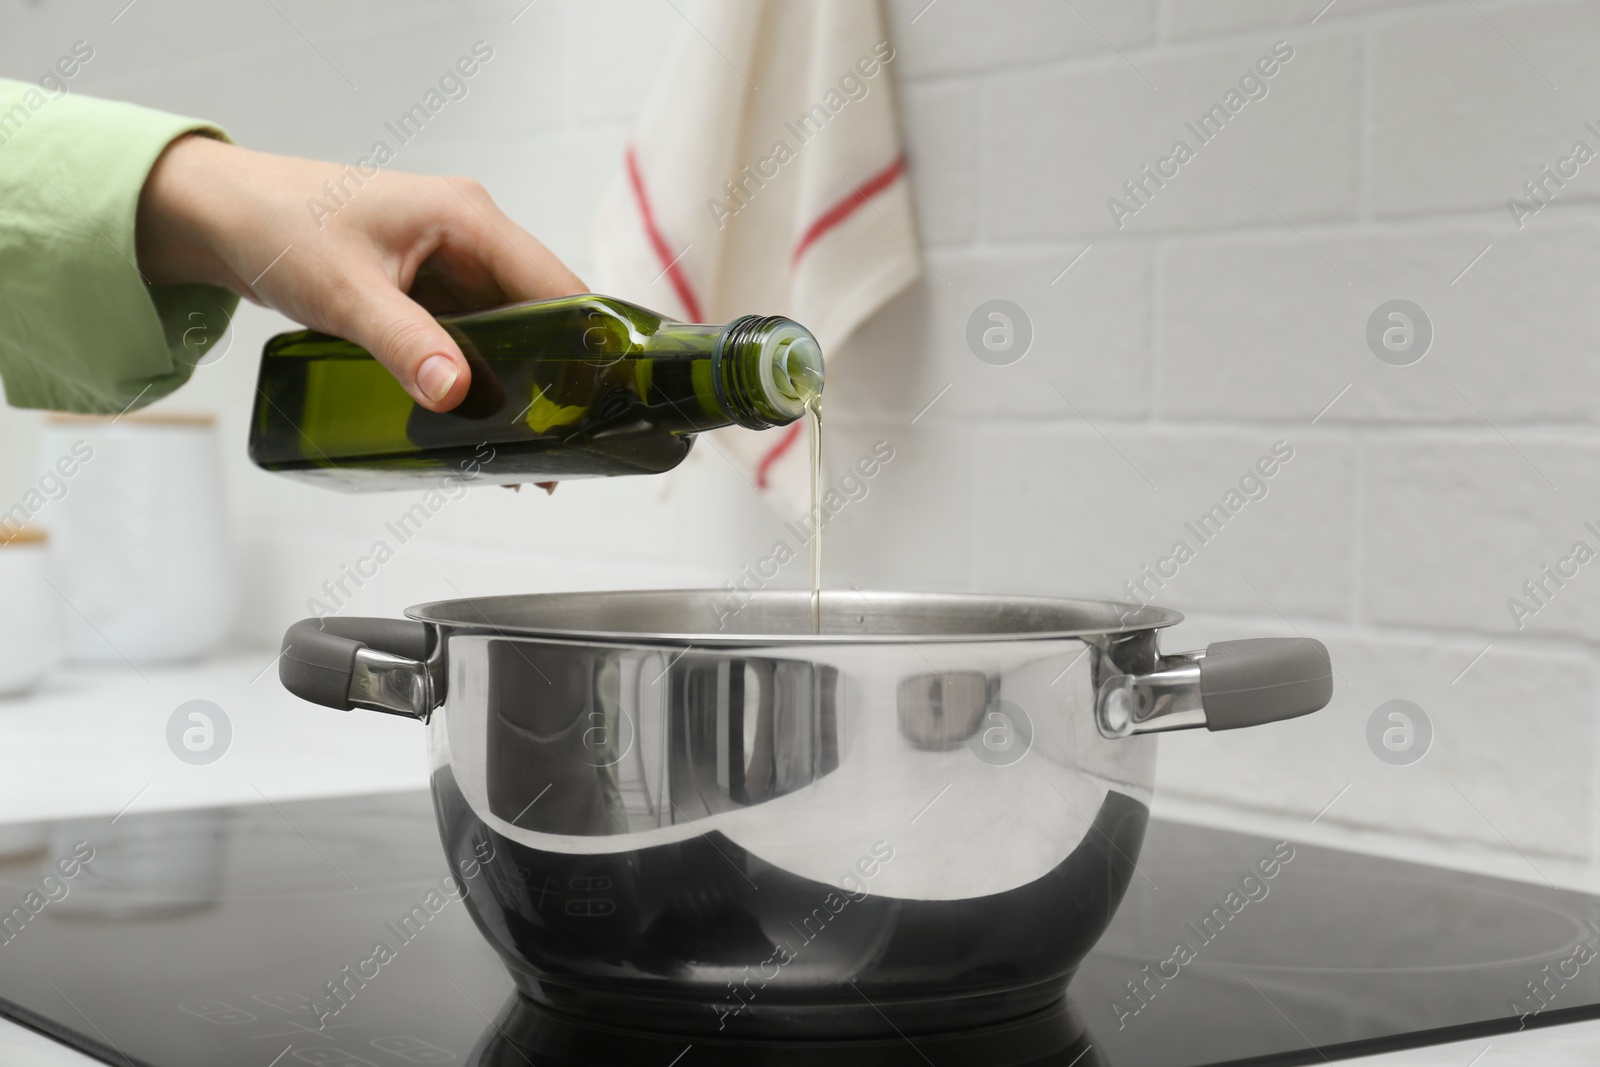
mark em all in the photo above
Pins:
pixel 762 372
pixel 761 379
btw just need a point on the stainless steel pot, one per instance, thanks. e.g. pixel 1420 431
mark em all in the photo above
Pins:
pixel 928 812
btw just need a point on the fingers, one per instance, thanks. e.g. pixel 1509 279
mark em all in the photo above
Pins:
pixel 404 338
pixel 521 265
pixel 443 239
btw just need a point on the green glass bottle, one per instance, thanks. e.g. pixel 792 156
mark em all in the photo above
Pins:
pixel 580 386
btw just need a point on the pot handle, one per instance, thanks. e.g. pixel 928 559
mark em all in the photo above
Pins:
pixel 1229 685
pixel 371 663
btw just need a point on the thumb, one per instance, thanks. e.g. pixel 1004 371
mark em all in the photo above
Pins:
pixel 408 341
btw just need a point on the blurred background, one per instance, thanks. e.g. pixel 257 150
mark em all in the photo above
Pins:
pixel 1439 460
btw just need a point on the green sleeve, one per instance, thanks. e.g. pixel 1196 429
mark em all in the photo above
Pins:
pixel 80 330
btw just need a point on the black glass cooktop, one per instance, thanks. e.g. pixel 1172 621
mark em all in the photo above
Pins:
pixel 200 938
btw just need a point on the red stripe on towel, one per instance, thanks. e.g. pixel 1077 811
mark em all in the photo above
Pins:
pixel 831 218
pixel 859 195
pixel 669 263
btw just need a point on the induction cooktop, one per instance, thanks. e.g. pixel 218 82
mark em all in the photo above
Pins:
pixel 197 938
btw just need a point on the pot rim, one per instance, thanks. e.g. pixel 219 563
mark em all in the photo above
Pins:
pixel 783 617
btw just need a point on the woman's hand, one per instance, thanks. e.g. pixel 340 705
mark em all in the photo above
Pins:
pixel 215 213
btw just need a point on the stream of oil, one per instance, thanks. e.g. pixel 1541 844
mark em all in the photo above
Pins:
pixel 814 428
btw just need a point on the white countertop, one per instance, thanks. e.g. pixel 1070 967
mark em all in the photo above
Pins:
pixel 19 1045
pixel 93 741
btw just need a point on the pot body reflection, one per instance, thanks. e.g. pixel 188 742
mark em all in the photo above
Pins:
pixel 782 836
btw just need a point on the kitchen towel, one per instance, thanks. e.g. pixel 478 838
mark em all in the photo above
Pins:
pixel 765 176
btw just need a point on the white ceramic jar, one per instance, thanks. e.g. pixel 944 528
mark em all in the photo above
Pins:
pixel 30 622
pixel 139 541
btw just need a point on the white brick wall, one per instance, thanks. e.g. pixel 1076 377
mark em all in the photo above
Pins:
pixel 1059 140
pixel 1435 148
pixel 1223 316
pixel 1260 327
pixel 1065 508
